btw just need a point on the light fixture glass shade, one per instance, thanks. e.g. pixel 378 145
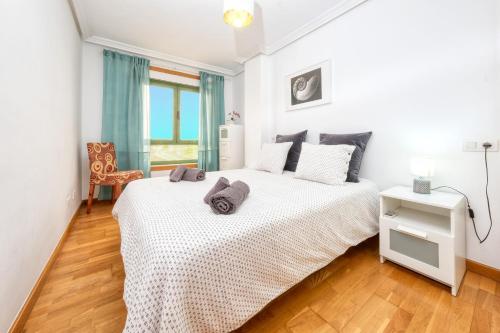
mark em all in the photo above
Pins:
pixel 422 167
pixel 238 13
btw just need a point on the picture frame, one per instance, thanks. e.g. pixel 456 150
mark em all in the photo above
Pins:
pixel 311 86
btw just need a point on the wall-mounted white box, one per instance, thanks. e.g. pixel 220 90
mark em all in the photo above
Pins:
pixel 477 145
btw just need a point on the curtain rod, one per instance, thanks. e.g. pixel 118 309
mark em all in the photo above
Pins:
pixel 170 71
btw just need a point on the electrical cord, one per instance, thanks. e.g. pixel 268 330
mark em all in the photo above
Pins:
pixel 487 195
pixel 471 212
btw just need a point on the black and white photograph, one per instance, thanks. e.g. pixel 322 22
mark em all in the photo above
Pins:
pixel 309 87
pixel 306 87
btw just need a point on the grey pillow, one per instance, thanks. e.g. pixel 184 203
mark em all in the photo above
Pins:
pixel 360 140
pixel 294 153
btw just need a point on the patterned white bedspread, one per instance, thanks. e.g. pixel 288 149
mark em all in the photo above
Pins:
pixel 190 270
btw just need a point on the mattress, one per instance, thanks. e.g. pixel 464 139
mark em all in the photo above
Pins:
pixel 190 270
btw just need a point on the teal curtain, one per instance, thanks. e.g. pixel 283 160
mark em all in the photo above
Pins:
pixel 124 118
pixel 212 115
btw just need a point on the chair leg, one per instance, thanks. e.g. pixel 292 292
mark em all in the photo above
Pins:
pixel 90 198
pixel 117 190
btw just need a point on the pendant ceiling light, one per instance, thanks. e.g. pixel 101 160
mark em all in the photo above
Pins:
pixel 238 13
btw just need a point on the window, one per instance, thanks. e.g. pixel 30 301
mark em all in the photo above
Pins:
pixel 174 112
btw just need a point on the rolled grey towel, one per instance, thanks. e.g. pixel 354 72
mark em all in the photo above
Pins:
pixel 194 175
pixel 221 184
pixel 177 173
pixel 229 199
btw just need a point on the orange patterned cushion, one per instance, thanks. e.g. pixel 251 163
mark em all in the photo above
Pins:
pixel 118 177
pixel 103 167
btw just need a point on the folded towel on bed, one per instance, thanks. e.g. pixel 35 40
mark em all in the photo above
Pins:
pixel 221 184
pixel 229 199
pixel 194 175
pixel 177 173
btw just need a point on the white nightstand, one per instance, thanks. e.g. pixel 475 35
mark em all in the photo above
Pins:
pixel 426 233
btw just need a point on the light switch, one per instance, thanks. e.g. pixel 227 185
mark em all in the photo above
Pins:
pixel 470 146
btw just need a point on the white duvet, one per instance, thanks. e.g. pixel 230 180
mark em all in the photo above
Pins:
pixel 190 270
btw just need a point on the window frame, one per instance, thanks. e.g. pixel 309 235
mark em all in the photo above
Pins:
pixel 177 88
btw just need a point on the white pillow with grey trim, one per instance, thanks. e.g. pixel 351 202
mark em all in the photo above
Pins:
pixel 273 157
pixel 327 164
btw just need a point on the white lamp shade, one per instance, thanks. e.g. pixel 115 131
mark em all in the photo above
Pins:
pixel 238 13
pixel 422 167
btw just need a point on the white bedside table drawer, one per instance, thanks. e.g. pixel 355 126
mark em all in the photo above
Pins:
pixel 417 248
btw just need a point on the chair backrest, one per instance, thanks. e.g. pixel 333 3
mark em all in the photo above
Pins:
pixel 102 157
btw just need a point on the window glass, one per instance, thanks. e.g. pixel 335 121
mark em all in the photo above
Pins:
pixel 174 121
pixel 189 115
pixel 162 112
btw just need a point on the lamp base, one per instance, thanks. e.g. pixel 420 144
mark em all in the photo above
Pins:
pixel 421 186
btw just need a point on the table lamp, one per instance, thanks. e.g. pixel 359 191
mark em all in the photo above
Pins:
pixel 423 169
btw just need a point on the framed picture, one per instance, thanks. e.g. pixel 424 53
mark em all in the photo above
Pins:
pixel 311 86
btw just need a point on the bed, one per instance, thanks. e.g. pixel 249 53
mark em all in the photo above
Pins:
pixel 190 270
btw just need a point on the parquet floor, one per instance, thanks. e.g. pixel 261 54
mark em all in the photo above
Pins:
pixel 355 293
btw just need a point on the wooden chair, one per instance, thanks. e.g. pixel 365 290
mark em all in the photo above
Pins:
pixel 104 170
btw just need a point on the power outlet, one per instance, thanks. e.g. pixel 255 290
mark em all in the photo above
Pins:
pixel 71 196
pixel 477 146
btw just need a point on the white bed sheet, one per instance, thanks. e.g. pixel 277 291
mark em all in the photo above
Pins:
pixel 190 270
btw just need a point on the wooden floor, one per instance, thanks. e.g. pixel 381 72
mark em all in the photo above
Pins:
pixel 355 293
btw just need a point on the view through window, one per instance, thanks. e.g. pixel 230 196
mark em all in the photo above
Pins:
pixel 174 111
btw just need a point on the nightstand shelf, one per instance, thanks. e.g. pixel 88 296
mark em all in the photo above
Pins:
pixel 424 232
pixel 420 219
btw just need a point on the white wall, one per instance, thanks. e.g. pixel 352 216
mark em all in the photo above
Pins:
pixel 423 75
pixel 40 135
pixel 258 100
pixel 239 96
pixel 92 77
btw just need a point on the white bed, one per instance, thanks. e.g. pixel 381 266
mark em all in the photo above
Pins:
pixel 190 270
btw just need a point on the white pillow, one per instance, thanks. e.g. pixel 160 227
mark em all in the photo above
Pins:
pixel 324 163
pixel 273 157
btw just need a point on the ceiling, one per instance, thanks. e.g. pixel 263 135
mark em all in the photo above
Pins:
pixel 194 29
